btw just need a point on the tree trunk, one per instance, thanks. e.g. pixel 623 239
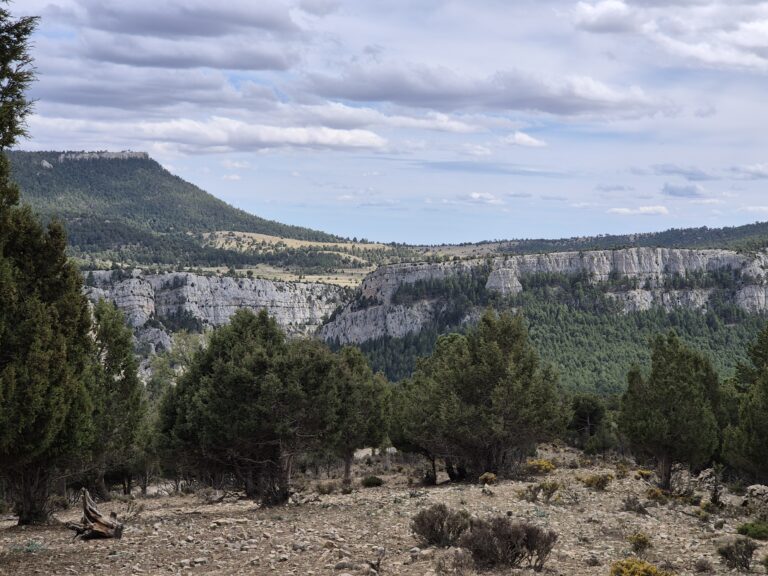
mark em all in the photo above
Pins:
pixel 32 497
pixel 348 468
pixel 94 524
pixel 100 486
pixel 665 472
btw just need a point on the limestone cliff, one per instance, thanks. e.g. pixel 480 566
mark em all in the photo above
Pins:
pixel 298 307
pixel 375 315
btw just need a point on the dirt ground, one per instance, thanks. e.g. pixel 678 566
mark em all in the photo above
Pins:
pixel 342 534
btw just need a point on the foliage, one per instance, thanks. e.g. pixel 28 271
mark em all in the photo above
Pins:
pixel 640 543
pixel 597 482
pixel 371 482
pixel 117 394
pixel 744 446
pixel 440 526
pixel 482 401
pixel 738 553
pixel 632 504
pixel 501 543
pixel 670 415
pixel 636 567
pixel 580 330
pixel 757 530
pixel 44 319
pixel 487 478
pixel 540 466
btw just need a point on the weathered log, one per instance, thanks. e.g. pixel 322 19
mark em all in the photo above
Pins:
pixel 94 524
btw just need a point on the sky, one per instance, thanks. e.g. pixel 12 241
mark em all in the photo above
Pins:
pixel 424 121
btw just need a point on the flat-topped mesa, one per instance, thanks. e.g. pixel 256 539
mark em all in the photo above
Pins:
pixel 299 307
pixel 103 155
pixel 380 316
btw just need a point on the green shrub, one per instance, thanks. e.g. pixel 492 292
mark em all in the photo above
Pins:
pixel 487 478
pixel 632 504
pixel 371 482
pixel 326 488
pixel 502 543
pixel 757 530
pixel 636 567
pixel 544 489
pixel 738 554
pixel 540 466
pixel 703 566
pixel 440 526
pixel 640 542
pixel 597 481
pixel 657 495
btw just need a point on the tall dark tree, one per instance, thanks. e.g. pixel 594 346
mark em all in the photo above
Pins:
pixel 361 414
pixel 670 415
pixel 118 397
pixel 490 398
pixel 44 319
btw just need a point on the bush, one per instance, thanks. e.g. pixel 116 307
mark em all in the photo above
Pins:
pixel 703 566
pixel 657 495
pixel 371 482
pixel 597 481
pixel 644 474
pixel 757 530
pixel 540 466
pixel 457 562
pixel 326 488
pixel 738 554
pixel 544 489
pixel 636 567
pixel 640 542
pixel 502 543
pixel 487 478
pixel 621 471
pixel 440 526
pixel 632 504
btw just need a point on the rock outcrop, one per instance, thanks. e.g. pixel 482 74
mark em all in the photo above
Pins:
pixel 649 268
pixel 298 307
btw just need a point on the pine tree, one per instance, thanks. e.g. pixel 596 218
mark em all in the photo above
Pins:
pixel 44 319
pixel 670 415
pixel 118 396
pixel 361 415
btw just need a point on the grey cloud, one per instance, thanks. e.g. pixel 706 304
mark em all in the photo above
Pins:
pixel 177 18
pixel 319 7
pixel 683 190
pixel 441 88
pixel 229 54
pixel 614 188
pixel 751 172
pixel 488 168
pixel 690 173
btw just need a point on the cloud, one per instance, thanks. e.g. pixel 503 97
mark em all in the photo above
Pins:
pixel 756 209
pixel 489 168
pixel 683 190
pixel 179 18
pixel 443 89
pixel 219 134
pixel 523 139
pixel 231 177
pixel 319 7
pixel 641 211
pixel 477 150
pixel 751 172
pixel 614 188
pixel 688 172
pixel 232 53
pixel 608 16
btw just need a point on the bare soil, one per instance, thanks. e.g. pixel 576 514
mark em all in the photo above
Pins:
pixel 341 534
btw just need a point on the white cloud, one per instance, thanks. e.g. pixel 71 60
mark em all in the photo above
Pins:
pixel 641 210
pixel 232 177
pixel 522 139
pixel 756 209
pixel 751 172
pixel 605 16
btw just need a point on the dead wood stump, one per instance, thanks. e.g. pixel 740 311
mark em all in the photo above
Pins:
pixel 94 524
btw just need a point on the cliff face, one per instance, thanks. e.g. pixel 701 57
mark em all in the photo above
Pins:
pixel 298 307
pixel 650 267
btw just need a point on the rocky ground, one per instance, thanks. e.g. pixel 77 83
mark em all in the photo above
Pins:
pixel 339 534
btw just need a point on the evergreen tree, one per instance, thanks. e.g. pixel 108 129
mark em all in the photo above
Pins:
pixel 118 396
pixel 670 415
pixel 360 418
pixel 491 399
pixel 44 319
